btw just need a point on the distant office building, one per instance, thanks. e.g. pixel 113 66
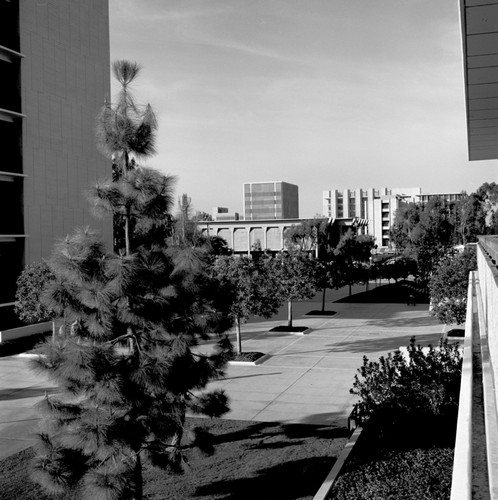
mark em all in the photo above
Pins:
pixel 377 206
pixel 270 200
pixel 425 197
pixel 54 67
pixel 222 213
pixel 243 237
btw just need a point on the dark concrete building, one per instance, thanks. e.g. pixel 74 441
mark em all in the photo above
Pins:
pixel 54 63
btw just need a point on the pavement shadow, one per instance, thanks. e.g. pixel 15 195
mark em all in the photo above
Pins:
pixel 285 481
pixel 388 344
pixel 23 344
pixel 22 393
pixel 250 376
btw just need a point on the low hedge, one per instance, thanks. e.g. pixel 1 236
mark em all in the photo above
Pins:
pixel 419 474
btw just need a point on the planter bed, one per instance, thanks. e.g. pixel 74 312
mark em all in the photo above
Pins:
pixel 415 463
pixel 321 313
pixel 302 330
pixel 263 460
pixel 251 358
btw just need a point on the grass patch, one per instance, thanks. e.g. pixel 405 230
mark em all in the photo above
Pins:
pixel 410 474
pixel 251 460
pixel 412 460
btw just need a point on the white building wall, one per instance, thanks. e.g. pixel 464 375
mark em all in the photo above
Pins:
pixel 368 205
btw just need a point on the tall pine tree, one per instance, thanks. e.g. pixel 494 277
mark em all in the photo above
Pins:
pixel 127 369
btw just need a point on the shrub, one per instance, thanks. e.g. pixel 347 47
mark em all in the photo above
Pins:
pixel 423 385
pixel 448 286
pixel 31 285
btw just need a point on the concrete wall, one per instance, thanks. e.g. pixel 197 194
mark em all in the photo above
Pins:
pixel 488 283
pixel 65 78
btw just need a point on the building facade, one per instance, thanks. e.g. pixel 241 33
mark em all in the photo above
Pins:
pixel 270 200
pixel 244 237
pixel 222 213
pixel 54 62
pixel 376 205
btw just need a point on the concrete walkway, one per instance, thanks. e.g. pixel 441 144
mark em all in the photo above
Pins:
pixel 306 379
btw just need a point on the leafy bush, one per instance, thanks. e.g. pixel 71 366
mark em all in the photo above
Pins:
pixel 421 385
pixel 31 285
pixel 411 475
pixel 448 286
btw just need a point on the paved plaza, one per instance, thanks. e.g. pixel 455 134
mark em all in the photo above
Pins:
pixel 306 379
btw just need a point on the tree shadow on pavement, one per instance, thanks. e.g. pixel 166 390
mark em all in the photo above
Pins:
pixel 15 393
pixel 289 480
pixel 23 344
pixel 387 344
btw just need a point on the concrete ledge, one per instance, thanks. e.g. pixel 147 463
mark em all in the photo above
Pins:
pixel 323 492
pixel 490 415
pixel 25 331
pixel 461 483
pixel 260 360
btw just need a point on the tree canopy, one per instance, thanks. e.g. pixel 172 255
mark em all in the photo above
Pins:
pixel 254 285
pixel 295 274
pixel 448 286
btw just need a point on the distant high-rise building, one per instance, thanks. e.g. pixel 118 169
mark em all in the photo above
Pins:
pixel 54 67
pixel 270 200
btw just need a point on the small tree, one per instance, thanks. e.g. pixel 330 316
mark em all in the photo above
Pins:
pixel 296 278
pixel 253 288
pixel 307 236
pixel 31 286
pixel 128 373
pixel 329 274
pixel 448 287
pixel 350 254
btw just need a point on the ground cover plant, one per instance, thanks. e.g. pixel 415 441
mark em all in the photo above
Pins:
pixel 260 460
pixel 408 408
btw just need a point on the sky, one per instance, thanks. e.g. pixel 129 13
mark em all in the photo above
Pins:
pixel 325 94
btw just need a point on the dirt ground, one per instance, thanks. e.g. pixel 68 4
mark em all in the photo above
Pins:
pixel 252 460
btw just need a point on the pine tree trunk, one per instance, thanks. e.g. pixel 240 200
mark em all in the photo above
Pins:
pixel 323 298
pixel 289 313
pixel 139 483
pixel 127 234
pixel 238 336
